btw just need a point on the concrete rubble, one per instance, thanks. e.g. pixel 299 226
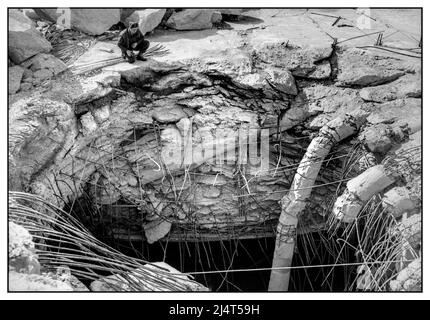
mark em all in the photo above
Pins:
pixel 24 40
pixel 148 19
pixel 90 21
pixel 25 271
pixel 191 19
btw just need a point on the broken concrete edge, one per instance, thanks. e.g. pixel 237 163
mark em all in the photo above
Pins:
pixel 22 254
pixel 35 72
pixel 24 39
pixel 157 229
pixel 409 279
pixel 89 120
pixel 398 201
pixel 25 271
pixel 19 282
pixel 96 87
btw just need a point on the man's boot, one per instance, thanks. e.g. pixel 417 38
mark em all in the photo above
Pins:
pixel 141 57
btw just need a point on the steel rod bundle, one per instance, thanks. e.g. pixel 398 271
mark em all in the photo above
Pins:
pixel 156 51
pixel 61 240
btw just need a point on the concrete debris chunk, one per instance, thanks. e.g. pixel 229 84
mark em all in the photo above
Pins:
pixel 90 21
pixel 155 230
pixel 15 75
pixel 191 19
pixel 24 40
pixel 148 19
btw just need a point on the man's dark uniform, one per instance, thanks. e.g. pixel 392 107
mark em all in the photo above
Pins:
pixel 128 38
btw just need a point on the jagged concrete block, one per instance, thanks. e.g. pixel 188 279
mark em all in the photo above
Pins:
pixel 191 19
pixel 155 230
pixel 33 282
pixel 24 40
pixel 409 279
pixel 22 253
pixel 15 75
pixel 148 19
pixel 358 67
pixel 369 183
pixel 90 21
pixel 216 17
pixel 45 61
pixel 397 201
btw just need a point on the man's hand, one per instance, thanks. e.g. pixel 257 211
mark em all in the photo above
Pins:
pixel 130 53
pixel 134 45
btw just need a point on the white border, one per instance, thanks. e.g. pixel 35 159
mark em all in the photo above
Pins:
pixel 195 296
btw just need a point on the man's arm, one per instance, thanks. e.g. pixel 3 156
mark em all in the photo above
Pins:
pixel 122 42
pixel 140 38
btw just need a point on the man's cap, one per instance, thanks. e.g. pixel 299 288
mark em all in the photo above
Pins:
pixel 133 25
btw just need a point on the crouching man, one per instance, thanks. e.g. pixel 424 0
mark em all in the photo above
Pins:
pixel 131 40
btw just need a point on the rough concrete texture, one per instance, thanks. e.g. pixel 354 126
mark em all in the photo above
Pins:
pixel 408 86
pixel 15 74
pixel 357 68
pixel 191 19
pixel 397 201
pixel 235 12
pixel 34 282
pixel 20 241
pixel 63 274
pixel 402 165
pixel 90 21
pixel 148 19
pixel 45 61
pixel 359 191
pixel 24 40
pixel 409 279
pixel 155 230
pixel 378 138
pixel 216 17
pixel 22 256
pixel 25 271
pixel 35 71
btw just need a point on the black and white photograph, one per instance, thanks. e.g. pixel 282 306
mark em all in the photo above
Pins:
pixel 213 149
